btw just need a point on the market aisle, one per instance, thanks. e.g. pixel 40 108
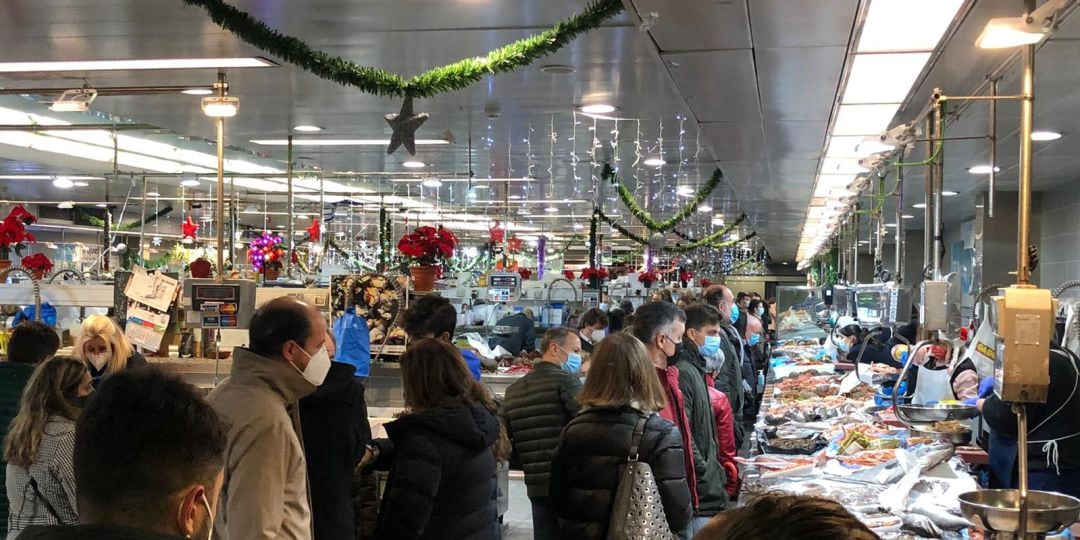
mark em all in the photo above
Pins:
pixel 517 522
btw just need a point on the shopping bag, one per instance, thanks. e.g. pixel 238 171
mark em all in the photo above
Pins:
pixel 48 315
pixel 353 342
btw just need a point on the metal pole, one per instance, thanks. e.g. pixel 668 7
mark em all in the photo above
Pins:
pixel 1022 462
pixel 222 88
pixel 142 226
pixel 855 245
pixel 939 172
pixel 898 250
pixel 289 226
pixel 993 149
pixel 1027 106
pixel 928 189
pixel 880 229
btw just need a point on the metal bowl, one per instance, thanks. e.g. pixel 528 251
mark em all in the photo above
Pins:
pixel 936 413
pixel 958 438
pixel 997 510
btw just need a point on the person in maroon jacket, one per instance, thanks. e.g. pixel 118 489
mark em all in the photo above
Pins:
pixel 660 326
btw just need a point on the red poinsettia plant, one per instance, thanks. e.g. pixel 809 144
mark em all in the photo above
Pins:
pixel 38 264
pixel 648 276
pixel 705 282
pixel 525 273
pixel 13 233
pixel 599 273
pixel 685 275
pixel 569 274
pixel 426 246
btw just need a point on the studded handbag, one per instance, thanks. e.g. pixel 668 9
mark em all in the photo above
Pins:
pixel 638 512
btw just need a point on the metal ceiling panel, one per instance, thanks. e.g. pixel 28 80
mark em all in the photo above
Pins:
pixel 719 86
pixel 795 140
pixel 806 23
pixel 799 83
pixel 735 141
pixel 695 25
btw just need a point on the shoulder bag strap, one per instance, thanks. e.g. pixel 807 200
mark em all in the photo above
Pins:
pixel 635 439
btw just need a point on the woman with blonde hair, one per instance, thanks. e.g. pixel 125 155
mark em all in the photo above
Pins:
pixel 40 444
pixel 622 390
pixel 105 349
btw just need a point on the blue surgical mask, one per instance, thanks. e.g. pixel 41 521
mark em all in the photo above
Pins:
pixel 734 313
pixel 711 346
pixel 760 311
pixel 573 362
pixel 844 346
pixel 754 339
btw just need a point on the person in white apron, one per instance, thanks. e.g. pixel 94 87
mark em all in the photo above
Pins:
pixel 974 365
pixel 932 374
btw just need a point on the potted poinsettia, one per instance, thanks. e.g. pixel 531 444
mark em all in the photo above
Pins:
pixel 525 273
pixel 37 264
pixel 684 277
pixel 569 275
pixel 425 248
pixel 705 283
pixel 594 276
pixel 13 233
pixel 647 278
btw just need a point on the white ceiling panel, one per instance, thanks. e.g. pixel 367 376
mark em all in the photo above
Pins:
pixel 803 23
pixel 694 25
pixel 799 83
pixel 719 86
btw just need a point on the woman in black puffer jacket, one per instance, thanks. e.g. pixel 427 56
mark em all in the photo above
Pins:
pixel 442 453
pixel 621 386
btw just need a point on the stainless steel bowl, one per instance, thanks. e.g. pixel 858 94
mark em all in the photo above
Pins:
pixel 997 510
pixel 958 438
pixel 936 413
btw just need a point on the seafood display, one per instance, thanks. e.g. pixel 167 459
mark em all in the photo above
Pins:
pixel 376 298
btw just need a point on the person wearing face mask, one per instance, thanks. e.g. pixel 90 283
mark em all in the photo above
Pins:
pixel 105 349
pixel 729 379
pixel 702 338
pixel 148 454
pixel 433 316
pixel 660 326
pixel 266 488
pixel 40 480
pixel 334 422
pixel 594 325
pixel 535 410
pixel 857 345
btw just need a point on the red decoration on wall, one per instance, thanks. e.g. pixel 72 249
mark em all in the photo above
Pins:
pixel 514 244
pixel 496 234
pixel 314 230
pixel 189 228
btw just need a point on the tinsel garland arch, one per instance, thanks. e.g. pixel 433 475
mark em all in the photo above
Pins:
pixel 448 78
pixel 646 219
pixel 709 241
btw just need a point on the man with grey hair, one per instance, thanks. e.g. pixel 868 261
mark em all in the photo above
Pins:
pixel 660 326
pixel 535 410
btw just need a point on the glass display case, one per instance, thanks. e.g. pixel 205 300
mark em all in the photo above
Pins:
pixel 801 312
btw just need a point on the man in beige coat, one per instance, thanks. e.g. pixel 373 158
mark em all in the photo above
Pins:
pixel 266 486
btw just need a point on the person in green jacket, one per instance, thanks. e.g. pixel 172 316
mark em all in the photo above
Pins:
pixel 30 344
pixel 702 338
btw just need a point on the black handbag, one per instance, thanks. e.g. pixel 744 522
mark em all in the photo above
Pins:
pixel 638 511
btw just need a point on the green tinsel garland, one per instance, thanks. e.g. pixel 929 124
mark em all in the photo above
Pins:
pixel 622 230
pixel 686 247
pixel 98 222
pixel 375 81
pixel 645 218
pixel 594 221
pixel 706 242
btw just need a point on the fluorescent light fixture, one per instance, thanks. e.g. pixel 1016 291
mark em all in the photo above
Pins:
pixel 949 193
pixel 551 209
pixel 76 100
pixel 598 108
pixel 890 225
pixel 101 205
pixel 704 208
pixel 685 191
pixel 130 65
pixel 1042 136
pixel 44 177
pixel 189 182
pixel 654 162
pixel 305 128
pixel 220 106
pixel 906 25
pixel 153 194
pixel 982 169
pixel 63 182
pixel 78 183
pixel 919 205
pixel 340 142
pixel 412 164
pixel 432 182
pixel 907 216
pixel 883 78
pixel 67 205
pixel 251 209
pixel 466 180
pixel 197 91
pixel 864 119
pixel 1006 32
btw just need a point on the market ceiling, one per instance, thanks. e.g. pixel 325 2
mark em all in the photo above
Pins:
pixel 746 86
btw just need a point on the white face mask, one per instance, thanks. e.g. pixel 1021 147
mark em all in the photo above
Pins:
pixel 209 516
pixel 99 360
pixel 597 335
pixel 317 368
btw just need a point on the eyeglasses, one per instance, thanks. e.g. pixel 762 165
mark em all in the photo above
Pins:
pixel 672 340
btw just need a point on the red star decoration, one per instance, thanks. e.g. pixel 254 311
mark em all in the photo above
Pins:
pixel 189 228
pixel 495 234
pixel 514 244
pixel 313 230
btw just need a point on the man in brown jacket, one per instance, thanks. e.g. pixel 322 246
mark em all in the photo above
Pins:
pixel 266 486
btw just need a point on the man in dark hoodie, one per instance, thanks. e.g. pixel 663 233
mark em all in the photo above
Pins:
pixel 702 337
pixel 149 457
pixel 335 427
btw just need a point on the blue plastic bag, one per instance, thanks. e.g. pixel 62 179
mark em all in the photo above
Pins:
pixel 353 342
pixel 48 315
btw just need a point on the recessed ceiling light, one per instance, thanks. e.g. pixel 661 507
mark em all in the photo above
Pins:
pixel 891 225
pixel 1041 136
pixel 557 69
pixel 949 193
pixel 101 205
pixel 197 91
pixel 919 205
pixel 127 65
pixel 982 169
pixel 654 162
pixel 704 208
pixel 304 128
pixel 189 182
pixel 300 216
pixel 685 191
pixel 513 197
pixel 80 184
pixel 907 216
pixel 432 182
pixel 578 226
pixel 413 164
pixel 863 242
pixel 340 142
pixel 153 194
pixel 63 182
pixel 551 209
pixel 597 108
pixel 66 205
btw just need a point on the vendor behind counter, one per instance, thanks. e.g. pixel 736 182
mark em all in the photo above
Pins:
pixel 523 339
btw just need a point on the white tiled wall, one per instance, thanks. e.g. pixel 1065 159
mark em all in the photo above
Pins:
pixel 1059 246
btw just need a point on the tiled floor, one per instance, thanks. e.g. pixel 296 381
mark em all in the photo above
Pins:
pixel 517 522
